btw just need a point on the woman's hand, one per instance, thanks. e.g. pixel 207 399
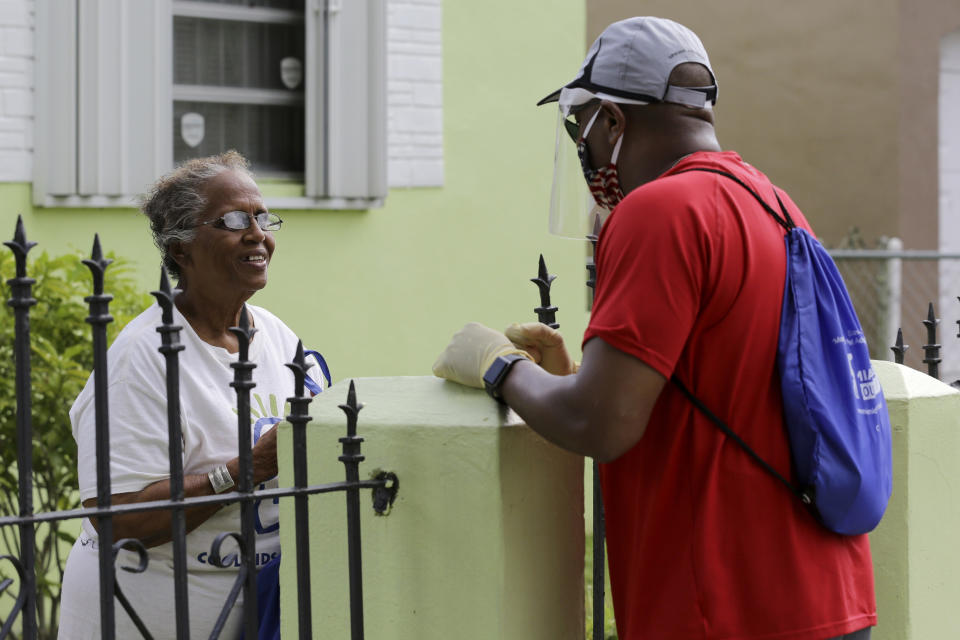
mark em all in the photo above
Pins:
pixel 264 457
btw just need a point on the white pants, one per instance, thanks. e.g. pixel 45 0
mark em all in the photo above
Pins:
pixel 150 594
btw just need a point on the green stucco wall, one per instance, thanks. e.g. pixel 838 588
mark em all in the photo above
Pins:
pixel 916 567
pixel 485 539
pixel 379 292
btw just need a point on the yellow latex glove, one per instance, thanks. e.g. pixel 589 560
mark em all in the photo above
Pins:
pixel 470 353
pixel 544 345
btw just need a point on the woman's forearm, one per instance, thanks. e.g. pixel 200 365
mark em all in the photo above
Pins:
pixel 153 528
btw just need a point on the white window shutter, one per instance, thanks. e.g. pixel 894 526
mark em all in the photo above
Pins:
pixel 55 150
pixel 347 111
pixel 105 111
pixel 99 123
pixel 106 98
pixel 315 91
pixel 147 94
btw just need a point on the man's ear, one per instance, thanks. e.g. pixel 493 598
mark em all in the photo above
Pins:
pixel 615 119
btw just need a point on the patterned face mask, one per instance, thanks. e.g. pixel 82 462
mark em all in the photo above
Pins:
pixel 604 183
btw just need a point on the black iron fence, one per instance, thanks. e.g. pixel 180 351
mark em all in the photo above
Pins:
pixel 931 348
pixel 383 485
pixel 896 294
pixel 891 289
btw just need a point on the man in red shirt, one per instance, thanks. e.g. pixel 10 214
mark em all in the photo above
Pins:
pixel 704 543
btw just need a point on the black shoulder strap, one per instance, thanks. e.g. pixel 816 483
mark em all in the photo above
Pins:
pixel 804 497
pixel 785 221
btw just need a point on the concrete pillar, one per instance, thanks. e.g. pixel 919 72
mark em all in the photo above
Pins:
pixel 916 565
pixel 485 540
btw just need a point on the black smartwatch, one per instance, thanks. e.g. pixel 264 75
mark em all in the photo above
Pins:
pixel 497 373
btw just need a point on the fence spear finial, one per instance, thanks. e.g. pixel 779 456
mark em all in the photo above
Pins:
pixel 20 247
pixel 351 408
pixel 899 348
pixel 97 265
pixel 244 333
pixel 299 369
pixel 165 296
pixel 546 313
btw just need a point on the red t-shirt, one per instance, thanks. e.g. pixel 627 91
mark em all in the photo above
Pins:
pixel 703 542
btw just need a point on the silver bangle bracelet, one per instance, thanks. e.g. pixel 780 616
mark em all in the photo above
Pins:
pixel 220 479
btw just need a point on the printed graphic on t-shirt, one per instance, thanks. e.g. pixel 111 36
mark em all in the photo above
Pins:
pixel 268 520
pixel 263 415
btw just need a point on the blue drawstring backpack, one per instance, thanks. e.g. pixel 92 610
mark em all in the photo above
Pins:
pixel 834 409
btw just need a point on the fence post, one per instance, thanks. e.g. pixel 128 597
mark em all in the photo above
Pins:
pixel 351 460
pixel 299 418
pixel 21 301
pixel 243 383
pixel 547 315
pixel 931 349
pixel 170 348
pixel 599 517
pixel 895 285
pixel 99 318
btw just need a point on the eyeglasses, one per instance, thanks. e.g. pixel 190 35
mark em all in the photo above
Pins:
pixel 240 220
pixel 572 126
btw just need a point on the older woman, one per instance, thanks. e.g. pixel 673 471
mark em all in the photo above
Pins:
pixel 216 236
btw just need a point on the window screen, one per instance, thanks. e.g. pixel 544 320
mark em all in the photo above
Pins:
pixel 238 74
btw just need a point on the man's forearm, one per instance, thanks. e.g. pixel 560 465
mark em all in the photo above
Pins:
pixel 549 405
pixel 601 411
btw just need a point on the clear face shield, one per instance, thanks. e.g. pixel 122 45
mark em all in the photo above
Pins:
pixel 573 212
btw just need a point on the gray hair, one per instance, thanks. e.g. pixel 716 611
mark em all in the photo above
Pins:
pixel 176 200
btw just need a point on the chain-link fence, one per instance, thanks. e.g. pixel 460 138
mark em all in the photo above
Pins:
pixel 893 288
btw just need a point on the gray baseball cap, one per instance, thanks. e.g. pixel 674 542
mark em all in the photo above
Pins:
pixel 632 61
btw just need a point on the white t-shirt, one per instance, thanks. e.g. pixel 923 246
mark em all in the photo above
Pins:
pixel 139 456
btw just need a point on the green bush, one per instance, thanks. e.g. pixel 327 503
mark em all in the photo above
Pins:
pixel 61 361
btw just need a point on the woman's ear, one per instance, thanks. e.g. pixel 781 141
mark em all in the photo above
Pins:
pixel 177 251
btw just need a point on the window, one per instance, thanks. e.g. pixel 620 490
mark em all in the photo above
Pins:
pixel 238 83
pixel 128 88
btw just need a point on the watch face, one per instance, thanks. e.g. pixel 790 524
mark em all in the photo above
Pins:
pixel 493 374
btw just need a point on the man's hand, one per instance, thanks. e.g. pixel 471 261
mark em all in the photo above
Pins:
pixel 545 346
pixel 470 353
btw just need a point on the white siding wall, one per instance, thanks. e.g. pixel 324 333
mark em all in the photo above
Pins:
pixel 414 93
pixel 949 218
pixel 16 90
pixel 414 82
